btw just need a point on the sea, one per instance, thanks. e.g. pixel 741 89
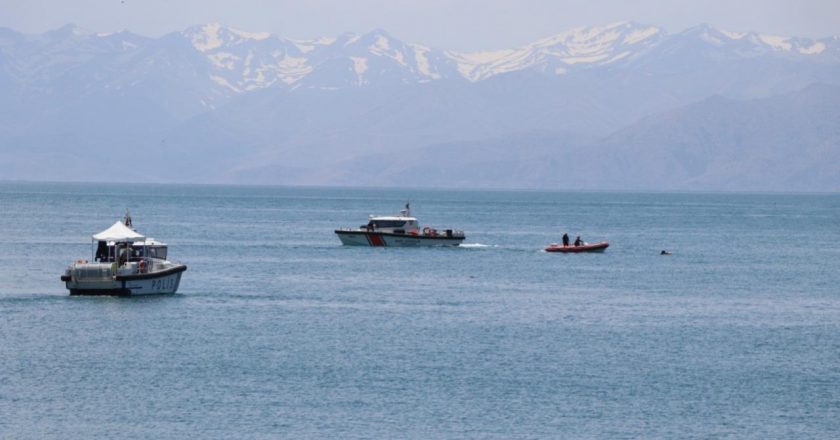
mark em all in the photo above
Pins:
pixel 279 331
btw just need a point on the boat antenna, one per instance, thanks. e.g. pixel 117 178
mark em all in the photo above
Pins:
pixel 127 219
pixel 407 211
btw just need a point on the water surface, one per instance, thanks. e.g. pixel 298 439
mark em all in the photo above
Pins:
pixel 278 331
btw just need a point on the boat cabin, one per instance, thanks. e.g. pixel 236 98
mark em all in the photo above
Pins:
pixel 396 224
pixel 152 249
pixel 121 244
pixel 110 251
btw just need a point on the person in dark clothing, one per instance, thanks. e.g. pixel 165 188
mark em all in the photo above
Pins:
pixel 578 241
pixel 565 239
pixel 102 251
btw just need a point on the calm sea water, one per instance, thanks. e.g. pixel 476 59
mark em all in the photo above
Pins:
pixel 278 331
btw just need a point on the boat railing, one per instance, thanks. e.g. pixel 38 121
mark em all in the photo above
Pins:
pixel 144 265
pixel 92 271
pixel 427 231
pixel 85 271
pixel 449 233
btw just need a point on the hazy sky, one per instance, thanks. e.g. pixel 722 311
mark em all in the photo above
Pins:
pixel 460 25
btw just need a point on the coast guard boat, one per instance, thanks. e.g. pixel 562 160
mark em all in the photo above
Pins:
pixel 124 263
pixel 400 230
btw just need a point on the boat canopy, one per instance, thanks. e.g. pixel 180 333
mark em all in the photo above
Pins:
pixel 118 232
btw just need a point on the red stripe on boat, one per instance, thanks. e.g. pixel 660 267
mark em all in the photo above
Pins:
pixel 375 240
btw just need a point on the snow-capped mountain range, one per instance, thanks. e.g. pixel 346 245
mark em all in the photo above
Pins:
pixel 256 104
pixel 239 61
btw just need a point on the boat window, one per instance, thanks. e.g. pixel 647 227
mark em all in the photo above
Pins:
pixel 136 253
pixel 157 252
pixel 387 223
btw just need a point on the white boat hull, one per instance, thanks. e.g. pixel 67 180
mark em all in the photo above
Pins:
pixel 164 282
pixel 383 239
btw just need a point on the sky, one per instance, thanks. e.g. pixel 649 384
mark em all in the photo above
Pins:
pixel 468 25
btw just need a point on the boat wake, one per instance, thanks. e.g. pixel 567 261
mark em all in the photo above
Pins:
pixel 477 246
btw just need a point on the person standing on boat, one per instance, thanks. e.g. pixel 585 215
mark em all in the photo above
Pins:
pixel 578 241
pixel 565 239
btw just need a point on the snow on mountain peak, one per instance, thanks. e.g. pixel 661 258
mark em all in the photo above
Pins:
pixel 205 37
pixel 306 46
pixel 364 50
pixel 214 35
pixel 756 44
pixel 583 37
pixel 816 48
pixel 640 35
pixel 733 35
pixel 382 44
pixel 421 57
pixel 250 35
pixel 242 61
pixel 776 42
pixel 581 46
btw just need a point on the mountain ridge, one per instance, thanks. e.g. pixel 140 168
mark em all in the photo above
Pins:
pixel 556 55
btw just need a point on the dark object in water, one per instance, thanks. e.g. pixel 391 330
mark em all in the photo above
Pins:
pixel 664 252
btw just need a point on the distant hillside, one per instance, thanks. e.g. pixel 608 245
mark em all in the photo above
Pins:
pixel 789 142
